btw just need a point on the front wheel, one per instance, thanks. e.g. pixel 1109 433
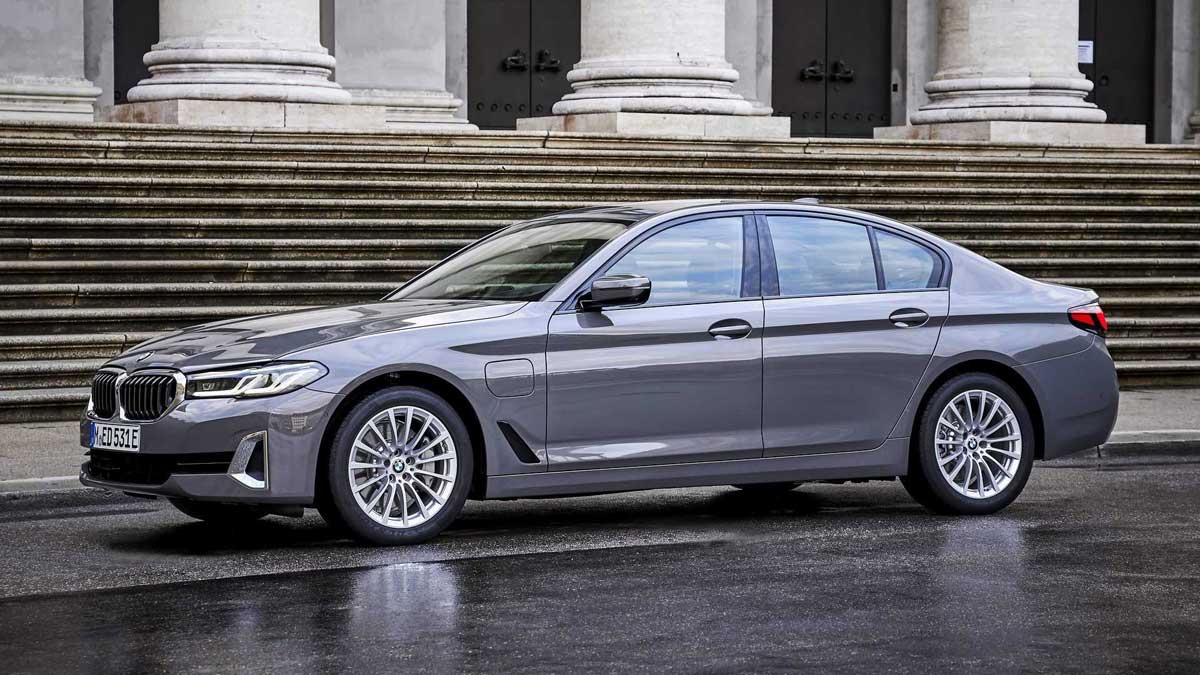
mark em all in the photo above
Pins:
pixel 399 468
pixel 974 447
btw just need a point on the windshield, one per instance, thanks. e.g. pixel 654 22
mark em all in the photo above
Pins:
pixel 521 263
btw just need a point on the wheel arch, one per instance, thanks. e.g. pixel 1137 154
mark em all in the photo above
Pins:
pixel 1006 374
pixel 409 378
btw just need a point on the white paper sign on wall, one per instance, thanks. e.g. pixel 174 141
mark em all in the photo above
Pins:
pixel 1087 51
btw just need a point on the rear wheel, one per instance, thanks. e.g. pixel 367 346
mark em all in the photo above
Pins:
pixel 221 514
pixel 399 468
pixel 974 448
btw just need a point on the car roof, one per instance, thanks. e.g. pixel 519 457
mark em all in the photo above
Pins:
pixel 638 211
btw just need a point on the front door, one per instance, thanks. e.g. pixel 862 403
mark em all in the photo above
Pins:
pixel 518 55
pixel 832 66
pixel 676 379
pixel 1122 59
pixel 135 30
pixel 845 343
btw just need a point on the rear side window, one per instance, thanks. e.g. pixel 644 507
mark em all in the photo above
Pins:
pixel 815 256
pixel 906 264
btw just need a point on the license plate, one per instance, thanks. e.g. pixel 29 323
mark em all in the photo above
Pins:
pixel 122 437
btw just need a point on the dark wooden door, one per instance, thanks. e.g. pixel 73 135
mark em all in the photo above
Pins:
pixel 518 56
pixel 832 66
pixel 1122 34
pixel 135 30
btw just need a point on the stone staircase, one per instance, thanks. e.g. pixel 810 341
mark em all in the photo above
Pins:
pixel 112 233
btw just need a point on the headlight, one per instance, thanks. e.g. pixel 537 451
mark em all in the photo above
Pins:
pixel 268 380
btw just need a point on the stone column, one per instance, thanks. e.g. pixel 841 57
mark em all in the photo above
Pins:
pixel 656 66
pixel 232 50
pixel 41 62
pixel 393 54
pixel 1008 71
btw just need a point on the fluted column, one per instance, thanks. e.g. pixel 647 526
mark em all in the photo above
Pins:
pixel 393 54
pixel 41 62
pixel 239 50
pixel 659 56
pixel 1014 60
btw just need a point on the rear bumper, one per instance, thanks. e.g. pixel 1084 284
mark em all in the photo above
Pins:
pixel 199 434
pixel 1078 397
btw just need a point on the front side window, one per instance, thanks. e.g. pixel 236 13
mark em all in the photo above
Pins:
pixel 699 261
pixel 815 256
pixel 906 264
pixel 522 263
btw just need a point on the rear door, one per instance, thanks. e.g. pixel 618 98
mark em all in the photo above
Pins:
pixel 846 340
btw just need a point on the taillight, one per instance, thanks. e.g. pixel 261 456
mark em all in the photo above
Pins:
pixel 1090 318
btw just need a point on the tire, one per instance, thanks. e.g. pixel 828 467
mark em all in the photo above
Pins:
pixel 768 488
pixel 987 453
pixel 218 513
pixel 424 489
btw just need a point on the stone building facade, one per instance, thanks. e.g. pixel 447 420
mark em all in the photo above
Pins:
pixel 1109 71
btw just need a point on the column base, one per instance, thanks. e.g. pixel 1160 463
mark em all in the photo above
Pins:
pixel 662 124
pixel 415 110
pixel 1020 132
pixel 197 112
pixel 49 99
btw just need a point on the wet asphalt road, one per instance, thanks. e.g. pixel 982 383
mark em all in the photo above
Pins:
pixel 1092 570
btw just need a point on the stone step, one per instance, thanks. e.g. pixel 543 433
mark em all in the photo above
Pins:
pixel 70 346
pixel 49 374
pixel 27 187
pixel 918 212
pixel 42 404
pixel 153 294
pixel 1069 248
pixel 86 273
pixel 202 229
pixel 132 172
pixel 1162 373
pixel 113 141
pixel 1185 266
pixel 1155 349
pixel 212 249
pixel 54 321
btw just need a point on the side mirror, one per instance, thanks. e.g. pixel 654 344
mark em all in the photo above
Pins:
pixel 618 289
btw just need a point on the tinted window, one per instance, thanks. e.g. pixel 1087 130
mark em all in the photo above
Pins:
pixel 700 261
pixel 907 264
pixel 821 257
pixel 521 263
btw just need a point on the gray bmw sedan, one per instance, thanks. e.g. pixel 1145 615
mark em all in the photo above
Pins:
pixel 624 347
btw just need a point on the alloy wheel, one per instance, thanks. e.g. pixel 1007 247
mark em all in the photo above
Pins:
pixel 402 466
pixel 978 444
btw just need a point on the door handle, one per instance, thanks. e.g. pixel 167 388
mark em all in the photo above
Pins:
pixel 547 61
pixel 842 71
pixel 813 71
pixel 518 61
pixel 730 329
pixel 909 317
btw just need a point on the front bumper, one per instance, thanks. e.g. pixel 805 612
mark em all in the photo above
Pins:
pixel 1078 398
pixel 188 453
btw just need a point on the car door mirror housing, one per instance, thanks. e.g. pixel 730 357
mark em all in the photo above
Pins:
pixel 616 290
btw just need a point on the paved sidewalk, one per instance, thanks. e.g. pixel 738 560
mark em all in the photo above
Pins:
pixel 46 455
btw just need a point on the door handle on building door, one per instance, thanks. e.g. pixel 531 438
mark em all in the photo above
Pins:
pixel 814 71
pixel 518 61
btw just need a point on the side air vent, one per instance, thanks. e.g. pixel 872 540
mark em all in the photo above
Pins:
pixel 519 447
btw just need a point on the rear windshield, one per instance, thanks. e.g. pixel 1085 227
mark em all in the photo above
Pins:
pixel 521 263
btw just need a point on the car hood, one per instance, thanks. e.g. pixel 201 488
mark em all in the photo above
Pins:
pixel 262 338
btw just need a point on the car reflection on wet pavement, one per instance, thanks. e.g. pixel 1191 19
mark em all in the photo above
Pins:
pixel 1092 570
